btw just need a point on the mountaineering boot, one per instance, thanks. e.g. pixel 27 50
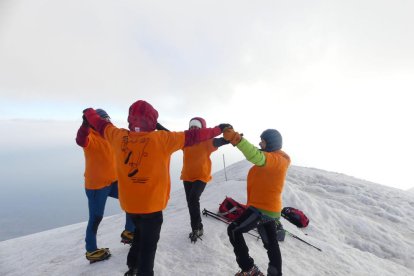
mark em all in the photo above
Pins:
pixel 98 255
pixel 196 234
pixel 127 237
pixel 254 271
pixel 131 272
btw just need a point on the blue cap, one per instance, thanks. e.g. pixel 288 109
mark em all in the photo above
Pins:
pixel 273 140
pixel 102 113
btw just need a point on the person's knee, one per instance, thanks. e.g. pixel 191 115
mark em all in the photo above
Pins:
pixel 230 229
pixel 271 245
pixel 97 219
pixel 193 201
pixel 270 241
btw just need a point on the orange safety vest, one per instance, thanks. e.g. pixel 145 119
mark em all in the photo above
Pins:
pixel 265 183
pixel 99 162
pixel 143 167
pixel 197 163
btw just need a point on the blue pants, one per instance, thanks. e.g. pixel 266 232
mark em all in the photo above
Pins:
pixel 96 204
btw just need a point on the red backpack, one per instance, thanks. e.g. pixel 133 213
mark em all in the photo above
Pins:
pixel 231 209
pixel 295 216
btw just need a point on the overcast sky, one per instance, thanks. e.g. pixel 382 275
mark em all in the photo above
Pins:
pixel 334 77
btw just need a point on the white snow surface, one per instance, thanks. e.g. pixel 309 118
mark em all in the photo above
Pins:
pixel 362 228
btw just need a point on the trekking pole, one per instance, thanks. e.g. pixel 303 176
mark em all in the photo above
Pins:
pixel 224 163
pixel 220 218
pixel 296 237
pixel 214 215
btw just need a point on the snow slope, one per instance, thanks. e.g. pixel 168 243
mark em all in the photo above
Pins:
pixel 362 228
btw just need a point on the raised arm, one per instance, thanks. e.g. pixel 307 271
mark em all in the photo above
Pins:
pixel 195 136
pixel 83 133
pixel 218 142
pixel 251 153
pixel 96 121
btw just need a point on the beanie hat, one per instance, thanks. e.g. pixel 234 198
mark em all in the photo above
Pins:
pixel 273 140
pixel 198 122
pixel 142 116
pixel 102 113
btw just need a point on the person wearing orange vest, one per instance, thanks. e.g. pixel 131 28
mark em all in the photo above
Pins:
pixel 142 157
pixel 100 183
pixel 196 172
pixel 265 183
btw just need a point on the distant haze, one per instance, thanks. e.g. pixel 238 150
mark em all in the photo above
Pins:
pixel 335 77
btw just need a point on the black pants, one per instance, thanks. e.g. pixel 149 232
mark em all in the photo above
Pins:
pixel 249 220
pixel 147 233
pixel 193 191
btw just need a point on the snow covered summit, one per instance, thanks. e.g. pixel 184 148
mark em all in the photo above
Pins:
pixel 362 228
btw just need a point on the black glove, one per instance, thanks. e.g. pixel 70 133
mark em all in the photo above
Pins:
pixel 161 127
pixel 218 142
pixel 224 126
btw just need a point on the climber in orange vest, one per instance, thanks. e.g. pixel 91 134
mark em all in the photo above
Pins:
pixel 265 182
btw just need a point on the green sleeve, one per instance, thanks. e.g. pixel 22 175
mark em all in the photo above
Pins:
pixel 251 153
